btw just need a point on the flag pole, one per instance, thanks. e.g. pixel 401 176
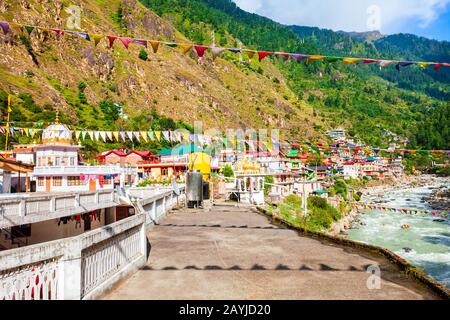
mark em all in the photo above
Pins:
pixel 7 123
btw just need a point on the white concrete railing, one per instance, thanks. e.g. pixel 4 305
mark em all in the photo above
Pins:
pixel 75 268
pixel 29 208
pixel 156 206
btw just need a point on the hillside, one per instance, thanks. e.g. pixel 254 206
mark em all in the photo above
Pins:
pixel 91 84
pixel 69 74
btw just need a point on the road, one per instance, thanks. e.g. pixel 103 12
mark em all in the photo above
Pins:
pixel 235 253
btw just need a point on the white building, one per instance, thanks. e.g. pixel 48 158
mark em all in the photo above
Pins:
pixel 351 170
pixel 58 169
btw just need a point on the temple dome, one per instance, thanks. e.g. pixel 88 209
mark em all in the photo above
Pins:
pixel 57 133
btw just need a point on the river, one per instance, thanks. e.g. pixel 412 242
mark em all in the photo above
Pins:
pixel 426 244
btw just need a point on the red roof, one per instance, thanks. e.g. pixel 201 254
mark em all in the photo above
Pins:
pixel 120 153
pixel 349 163
pixel 141 153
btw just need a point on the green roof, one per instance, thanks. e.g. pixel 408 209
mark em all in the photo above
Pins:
pixel 320 191
pixel 292 154
pixel 181 150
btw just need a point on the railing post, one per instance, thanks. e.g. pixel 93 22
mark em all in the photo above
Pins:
pixel 53 204
pixel 96 197
pixel 164 205
pixel 70 267
pixel 77 200
pixel 154 210
pixel 22 208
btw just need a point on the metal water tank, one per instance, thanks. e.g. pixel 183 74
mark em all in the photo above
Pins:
pixel 194 189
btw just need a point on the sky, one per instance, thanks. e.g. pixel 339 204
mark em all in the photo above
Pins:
pixel 428 18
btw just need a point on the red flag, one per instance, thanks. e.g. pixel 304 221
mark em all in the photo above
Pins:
pixel 263 54
pixel 200 50
pixel 111 40
pixel 370 60
pixel 437 66
pixel 126 41
pixel 285 55
pixel 58 32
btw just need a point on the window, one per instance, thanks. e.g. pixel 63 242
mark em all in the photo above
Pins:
pixel 73 181
pixel 165 172
pixel 57 181
pixel 41 181
pixel 57 161
pixel 72 161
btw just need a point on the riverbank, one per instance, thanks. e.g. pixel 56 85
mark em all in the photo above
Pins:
pixel 425 243
pixel 374 190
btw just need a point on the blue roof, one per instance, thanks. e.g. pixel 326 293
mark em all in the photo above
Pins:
pixel 181 150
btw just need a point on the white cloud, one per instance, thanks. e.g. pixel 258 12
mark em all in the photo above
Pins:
pixel 349 15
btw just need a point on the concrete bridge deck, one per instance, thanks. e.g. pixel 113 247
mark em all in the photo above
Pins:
pixel 235 253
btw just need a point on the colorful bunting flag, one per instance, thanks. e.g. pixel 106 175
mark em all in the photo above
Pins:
pixel 263 54
pixel 200 51
pixel 5 27
pixel 385 63
pixel 122 135
pixel 155 45
pixel 403 64
pixel 185 48
pixel 217 52
pixel 141 42
pixel 151 135
pixel 299 57
pixel 111 40
pixel 144 135
pixel 125 41
pixel 350 60
pixel 59 32
pixel 29 29
pixel 130 135
pixel 250 53
pixel 83 35
pixel 116 135
pixel 315 58
pixel 97 38
pixel 137 135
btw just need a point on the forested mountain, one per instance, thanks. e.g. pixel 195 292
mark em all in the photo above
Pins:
pixel 93 87
pixel 365 99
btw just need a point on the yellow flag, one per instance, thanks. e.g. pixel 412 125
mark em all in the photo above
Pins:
pixel 185 48
pixel 77 135
pixel 155 45
pixel 350 60
pixel 158 135
pixel 116 135
pixel 424 64
pixel 250 53
pixel 315 58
